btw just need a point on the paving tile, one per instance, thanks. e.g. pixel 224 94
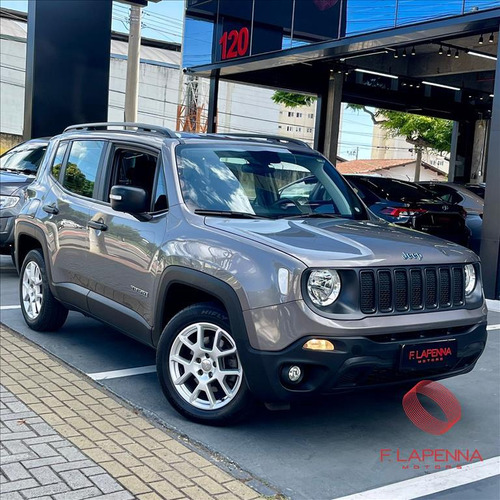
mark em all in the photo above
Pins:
pixel 65 439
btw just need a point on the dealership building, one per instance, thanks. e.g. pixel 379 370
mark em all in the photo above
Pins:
pixel 430 58
pixel 419 56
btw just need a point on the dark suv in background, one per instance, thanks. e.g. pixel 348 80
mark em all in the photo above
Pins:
pixel 18 168
pixel 191 245
pixel 410 205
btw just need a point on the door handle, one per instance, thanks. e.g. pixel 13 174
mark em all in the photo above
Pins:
pixel 98 226
pixel 51 209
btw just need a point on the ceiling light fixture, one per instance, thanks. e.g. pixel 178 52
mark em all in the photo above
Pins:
pixel 413 51
pixel 448 54
pixel 479 54
pixel 481 40
pixel 440 50
pixel 376 73
pixel 440 85
pixel 491 39
pixel 457 55
pixel 404 52
pixel 396 55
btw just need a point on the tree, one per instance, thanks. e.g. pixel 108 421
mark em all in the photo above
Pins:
pixel 291 100
pixel 423 132
pixel 420 131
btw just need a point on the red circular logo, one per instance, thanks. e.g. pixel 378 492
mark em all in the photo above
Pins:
pixel 443 397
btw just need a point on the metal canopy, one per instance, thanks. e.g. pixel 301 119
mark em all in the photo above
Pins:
pixel 306 69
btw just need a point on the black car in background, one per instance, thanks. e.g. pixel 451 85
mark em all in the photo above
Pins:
pixel 468 200
pixel 408 204
pixel 18 168
pixel 403 203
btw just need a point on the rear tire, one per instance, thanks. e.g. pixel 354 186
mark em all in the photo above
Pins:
pixel 41 311
pixel 199 368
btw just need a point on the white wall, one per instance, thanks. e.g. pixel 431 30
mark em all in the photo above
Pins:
pixel 158 93
pixel 12 74
pixel 247 109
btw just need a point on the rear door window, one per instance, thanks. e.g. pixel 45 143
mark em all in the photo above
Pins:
pixel 82 166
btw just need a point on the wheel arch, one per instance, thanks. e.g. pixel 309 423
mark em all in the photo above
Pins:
pixel 202 288
pixel 29 237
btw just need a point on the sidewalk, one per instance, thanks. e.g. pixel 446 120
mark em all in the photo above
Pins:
pixel 63 437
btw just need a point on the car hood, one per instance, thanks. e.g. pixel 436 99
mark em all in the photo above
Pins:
pixel 346 243
pixel 10 182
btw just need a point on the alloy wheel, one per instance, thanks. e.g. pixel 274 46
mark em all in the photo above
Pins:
pixel 32 290
pixel 204 366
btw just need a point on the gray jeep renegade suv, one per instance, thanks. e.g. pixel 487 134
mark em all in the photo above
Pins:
pixel 184 243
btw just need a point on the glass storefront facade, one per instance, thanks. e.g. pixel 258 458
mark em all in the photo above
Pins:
pixel 219 30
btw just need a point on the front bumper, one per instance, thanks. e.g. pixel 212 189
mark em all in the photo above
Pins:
pixel 356 362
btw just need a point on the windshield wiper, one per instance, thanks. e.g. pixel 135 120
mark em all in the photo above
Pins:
pixel 228 213
pixel 312 215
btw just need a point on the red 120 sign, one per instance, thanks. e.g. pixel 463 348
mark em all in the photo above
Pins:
pixel 234 43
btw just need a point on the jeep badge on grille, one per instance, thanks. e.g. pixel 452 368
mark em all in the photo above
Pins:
pixel 412 256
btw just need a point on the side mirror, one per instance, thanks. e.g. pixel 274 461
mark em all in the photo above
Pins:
pixel 129 199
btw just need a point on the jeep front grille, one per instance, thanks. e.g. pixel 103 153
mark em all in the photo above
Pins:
pixel 400 290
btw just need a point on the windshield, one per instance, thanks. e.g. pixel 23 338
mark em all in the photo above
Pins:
pixel 23 158
pixel 263 181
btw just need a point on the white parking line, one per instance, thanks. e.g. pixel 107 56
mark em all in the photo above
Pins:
pixel 493 305
pixel 493 327
pixel 431 483
pixel 5 308
pixel 128 372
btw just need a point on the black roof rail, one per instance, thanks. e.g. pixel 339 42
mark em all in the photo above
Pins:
pixel 276 139
pixel 143 127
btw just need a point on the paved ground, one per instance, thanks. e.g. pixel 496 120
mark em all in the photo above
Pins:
pixel 324 450
pixel 63 438
pixel 37 462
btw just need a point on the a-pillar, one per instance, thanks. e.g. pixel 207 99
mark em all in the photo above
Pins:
pixel 490 240
pixel 328 118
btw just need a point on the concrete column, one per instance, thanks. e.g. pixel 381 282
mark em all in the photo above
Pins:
pixel 490 242
pixel 479 151
pixel 461 153
pixel 332 116
pixel 133 63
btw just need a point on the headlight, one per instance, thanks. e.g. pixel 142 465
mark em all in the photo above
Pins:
pixel 470 279
pixel 323 287
pixel 8 201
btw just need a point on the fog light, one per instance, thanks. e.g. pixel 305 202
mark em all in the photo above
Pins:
pixel 319 345
pixel 294 373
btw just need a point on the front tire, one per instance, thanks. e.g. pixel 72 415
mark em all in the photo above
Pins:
pixel 199 368
pixel 41 311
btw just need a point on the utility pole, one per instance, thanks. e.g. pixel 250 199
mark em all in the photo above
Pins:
pixel 418 163
pixel 133 61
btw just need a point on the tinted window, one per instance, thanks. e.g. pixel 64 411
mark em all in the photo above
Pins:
pixel 252 180
pixel 58 159
pixel 25 158
pixel 81 169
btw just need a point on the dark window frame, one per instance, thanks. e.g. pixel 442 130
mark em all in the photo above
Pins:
pixel 110 167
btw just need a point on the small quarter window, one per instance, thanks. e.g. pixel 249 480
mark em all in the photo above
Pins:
pixel 58 160
pixel 82 165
